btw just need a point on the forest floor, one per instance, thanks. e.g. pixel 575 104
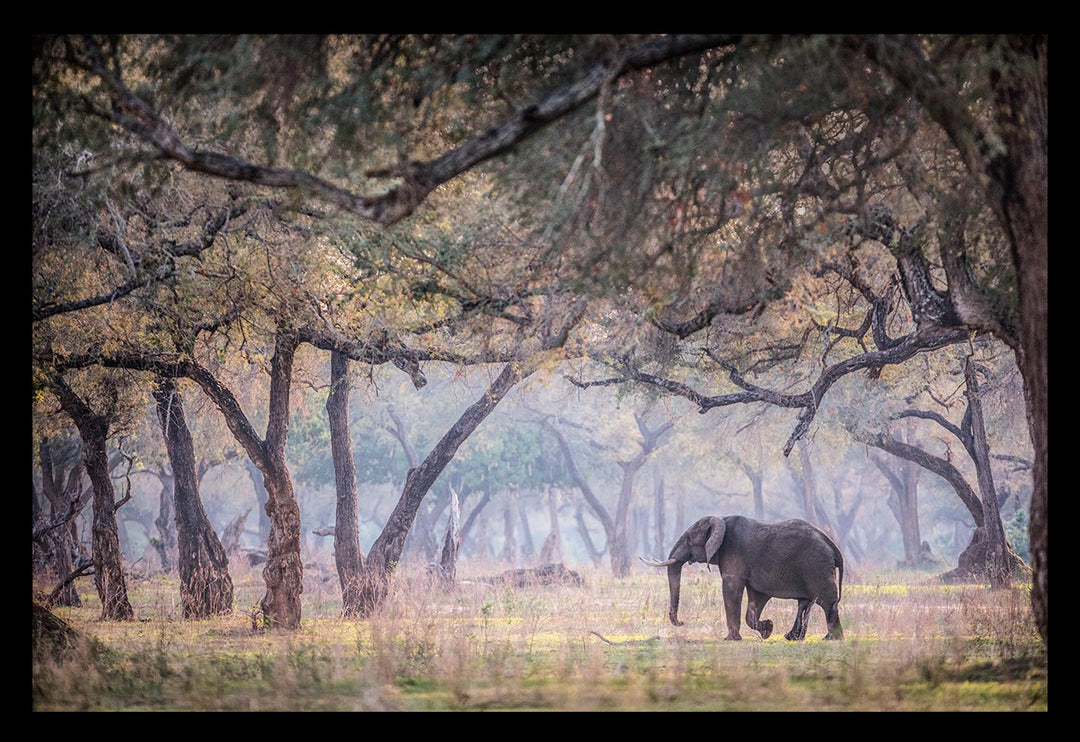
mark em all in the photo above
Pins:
pixel 910 645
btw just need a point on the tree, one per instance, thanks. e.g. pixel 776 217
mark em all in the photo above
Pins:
pixel 94 429
pixel 989 555
pixel 206 588
pixel 348 555
pixel 616 527
pixel 1013 179
pixel 57 532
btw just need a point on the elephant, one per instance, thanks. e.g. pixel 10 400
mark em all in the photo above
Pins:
pixel 789 559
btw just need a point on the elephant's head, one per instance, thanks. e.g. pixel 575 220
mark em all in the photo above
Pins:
pixel 699 543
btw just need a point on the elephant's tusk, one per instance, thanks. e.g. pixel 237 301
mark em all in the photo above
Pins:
pixel 655 563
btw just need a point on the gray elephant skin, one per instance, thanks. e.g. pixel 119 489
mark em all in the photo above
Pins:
pixel 790 559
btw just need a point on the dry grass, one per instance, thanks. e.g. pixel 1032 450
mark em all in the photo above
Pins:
pixel 607 646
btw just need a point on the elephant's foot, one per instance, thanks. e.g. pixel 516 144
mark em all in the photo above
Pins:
pixel 765 627
pixel 793 636
pixel 837 636
pixel 733 636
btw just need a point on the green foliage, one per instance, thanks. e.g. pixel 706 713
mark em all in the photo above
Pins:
pixel 1016 533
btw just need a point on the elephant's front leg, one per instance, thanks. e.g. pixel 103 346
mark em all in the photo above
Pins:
pixel 755 604
pixel 733 591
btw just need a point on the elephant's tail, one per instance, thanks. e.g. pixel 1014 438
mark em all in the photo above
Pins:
pixel 840 577
pixel 838 562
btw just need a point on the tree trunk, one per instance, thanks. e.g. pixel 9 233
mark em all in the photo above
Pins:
pixel 1023 203
pixel 615 528
pixel 803 474
pixel 284 570
pixel 165 523
pixel 386 552
pixel 108 569
pixel 619 544
pixel 60 497
pixel 998 565
pixel 206 589
pixel 348 555
pixel 552 550
pixel 756 481
pixel 988 556
pixel 509 550
pixel 659 500
pixel 451 543
pixel 904 504
pixel 258 484
pixel 528 548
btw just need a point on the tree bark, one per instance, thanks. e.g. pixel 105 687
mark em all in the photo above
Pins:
pixel 284 570
pixel 659 500
pixel 998 566
pixel 165 522
pixel 348 556
pixel 108 568
pixel 206 589
pixel 61 498
pixel 451 543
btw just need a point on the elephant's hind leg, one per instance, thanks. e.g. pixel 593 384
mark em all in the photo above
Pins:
pixel 832 619
pixel 802 618
pixel 755 604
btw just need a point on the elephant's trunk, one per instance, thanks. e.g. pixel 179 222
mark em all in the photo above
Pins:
pixel 674 575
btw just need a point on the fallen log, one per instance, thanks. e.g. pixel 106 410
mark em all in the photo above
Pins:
pixel 546 574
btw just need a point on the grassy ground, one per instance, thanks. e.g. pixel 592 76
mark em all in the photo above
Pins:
pixel 607 646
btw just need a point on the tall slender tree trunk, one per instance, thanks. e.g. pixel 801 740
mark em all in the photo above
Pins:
pixel 616 528
pixel 348 555
pixel 620 540
pixel 904 503
pixel 258 484
pixel 659 500
pixel 165 522
pixel 108 568
pixel 386 552
pixel 803 474
pixel 756 488
pixel 60 492
pixel 509 549
pixel 206 589
pixel 552 550
pixel 284 569
pixel 998 564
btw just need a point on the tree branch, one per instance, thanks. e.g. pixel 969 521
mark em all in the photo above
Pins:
pixel 418 178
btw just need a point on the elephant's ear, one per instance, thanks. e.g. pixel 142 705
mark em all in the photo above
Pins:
pixel 716 538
